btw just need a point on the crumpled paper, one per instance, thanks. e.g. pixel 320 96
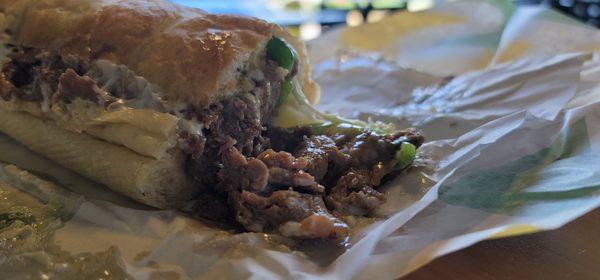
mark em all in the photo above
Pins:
pixel 513 139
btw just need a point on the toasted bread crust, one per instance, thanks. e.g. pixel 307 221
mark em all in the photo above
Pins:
pixel 193 56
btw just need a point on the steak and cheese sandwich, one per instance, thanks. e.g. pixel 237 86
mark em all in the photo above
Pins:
pixel 181 109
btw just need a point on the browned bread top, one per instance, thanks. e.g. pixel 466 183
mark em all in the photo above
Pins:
pixel 192 55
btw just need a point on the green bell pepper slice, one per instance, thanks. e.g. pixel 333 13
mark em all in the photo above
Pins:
pixel 406 155
pixel 281 52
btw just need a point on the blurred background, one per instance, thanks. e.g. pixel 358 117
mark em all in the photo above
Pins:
pixel 308 19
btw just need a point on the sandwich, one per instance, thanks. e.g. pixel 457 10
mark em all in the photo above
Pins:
pixel 181 109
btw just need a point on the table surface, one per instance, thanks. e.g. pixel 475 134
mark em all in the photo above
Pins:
pixel 571 252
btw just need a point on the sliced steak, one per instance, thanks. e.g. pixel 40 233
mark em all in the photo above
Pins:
pixel 286 171
pixel 354 194
pixel 322 155
pixel 72 86
pixel 290 213
pixel 260 206
pixel 36 74
pixel 232 120
pixel 352 166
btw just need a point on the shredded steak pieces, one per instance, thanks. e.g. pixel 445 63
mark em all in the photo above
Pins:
pixel 210 206
pixel 259 206
pixel 291 213
pixel 265 193
pixel 239 120
pixel 287 171
pixel 232 121
pixel 23 72
pixel 320 151
pixel 354 194
pixel 47 78
pixel 241 173
pixel 299 195
pixel 34 75
pixel 286 139
pixel 352 166
pixel 71 86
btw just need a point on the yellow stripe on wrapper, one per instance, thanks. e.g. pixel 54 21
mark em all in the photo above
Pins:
pixel 393 28
pixel 514 230
pixel 512 51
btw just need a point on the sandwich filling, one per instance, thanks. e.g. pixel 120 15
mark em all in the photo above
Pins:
pixel 299 181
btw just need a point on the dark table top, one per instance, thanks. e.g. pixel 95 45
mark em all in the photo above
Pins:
pixel 571 252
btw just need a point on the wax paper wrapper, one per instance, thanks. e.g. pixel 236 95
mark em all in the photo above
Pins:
pixel 510 104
